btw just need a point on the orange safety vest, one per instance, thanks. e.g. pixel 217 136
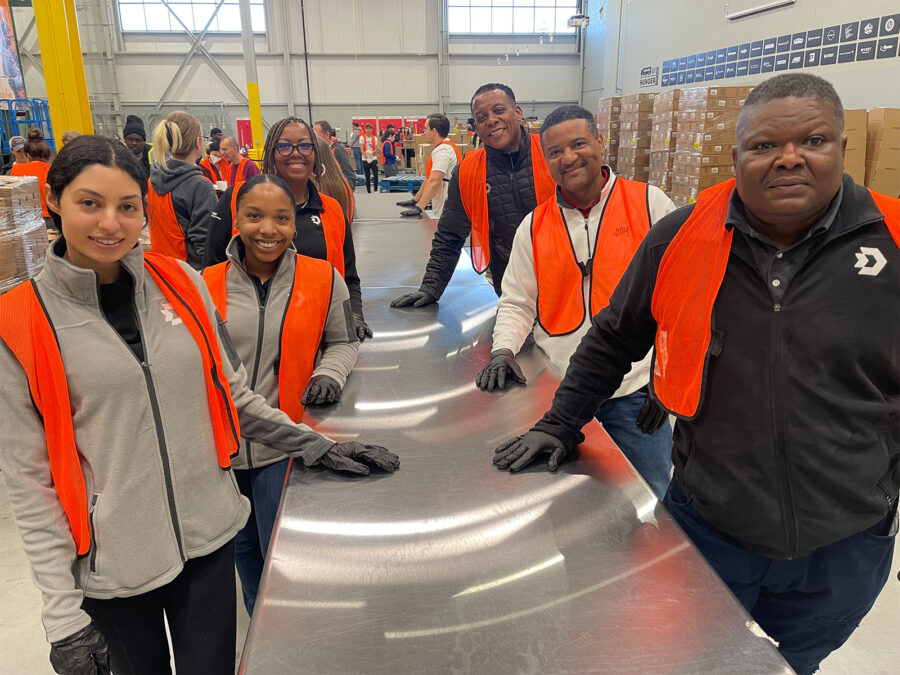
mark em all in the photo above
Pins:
pixel 39 170
pixel 370 140
pixel 624 224
pixel 472 180
pixel 166 234
pixel 27 331
pixel 453 145
pixel 688 280
pixel 303 327
pixel 235 177
pixel 212 169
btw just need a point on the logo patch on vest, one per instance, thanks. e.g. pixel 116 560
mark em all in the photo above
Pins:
pixel 620 230
pixel 170 315
pixel 316 220
pixel 869 261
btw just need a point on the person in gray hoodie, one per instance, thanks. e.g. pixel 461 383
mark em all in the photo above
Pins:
pixel 180 197
pixel 116 366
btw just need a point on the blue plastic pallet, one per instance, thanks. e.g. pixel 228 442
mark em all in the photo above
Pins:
pixel 400 184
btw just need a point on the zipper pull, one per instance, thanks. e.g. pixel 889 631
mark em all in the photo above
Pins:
pixel 777 307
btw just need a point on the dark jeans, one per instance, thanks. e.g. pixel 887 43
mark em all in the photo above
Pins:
pixel 263 488
pixel 200 608
pixel 370 169
pixel 357 158
pixel 650 454
pixel 809 605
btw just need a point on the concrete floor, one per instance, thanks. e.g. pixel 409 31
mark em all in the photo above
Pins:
pixel 874 649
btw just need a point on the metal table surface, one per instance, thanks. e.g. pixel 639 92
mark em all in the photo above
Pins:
pixel 452 566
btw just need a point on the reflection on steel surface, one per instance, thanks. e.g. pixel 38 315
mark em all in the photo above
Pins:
pixel 451 566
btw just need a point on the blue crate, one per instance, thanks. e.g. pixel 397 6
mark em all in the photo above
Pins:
pixel 400 184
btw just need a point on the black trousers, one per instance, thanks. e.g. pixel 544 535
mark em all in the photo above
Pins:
pixel 200 605
pixel 370 170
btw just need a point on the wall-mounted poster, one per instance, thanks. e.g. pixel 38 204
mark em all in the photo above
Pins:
pixel 12 84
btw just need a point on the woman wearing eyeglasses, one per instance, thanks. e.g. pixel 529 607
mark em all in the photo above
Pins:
pixel 322 230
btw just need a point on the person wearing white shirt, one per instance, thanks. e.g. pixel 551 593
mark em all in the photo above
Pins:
pixel 444 158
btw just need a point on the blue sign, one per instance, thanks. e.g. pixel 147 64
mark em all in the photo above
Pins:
pixel 701 59
pixel 720 56
pixel 783 44
pixel 814 38
pixel 796 60
pixel 849 31
pixel 868 29
pixel 682 63
pixel 692 62
pixel 720 72
pixel 798 40
pixel 709 73
pixel 730 69
pixel 768 64
pixel 689 77
pixel 698 75
pixel 812 57
pixel 770 45
pixel 742 68
pixel 781 61
pixel 681 77
pixel 756 49
pixel 744 51
pixel 711 58
pixel 731 53
pixel 865 51
pixel 665 67
pixel 847 53
pixel 890 25
pixel 831 35
pixel 755 65
pixel 887 48
pixel 829 56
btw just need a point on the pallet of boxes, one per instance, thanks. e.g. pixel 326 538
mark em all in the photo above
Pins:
pixel 662 139
pixel 883 151
pixel 707 121
pixel 635 126
pixel 609 111
pixel 23 234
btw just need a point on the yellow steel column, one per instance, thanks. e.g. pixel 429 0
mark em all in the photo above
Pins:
pixel 63 67
pixel 256 127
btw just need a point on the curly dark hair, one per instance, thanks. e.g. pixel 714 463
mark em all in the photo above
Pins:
pixel 268 161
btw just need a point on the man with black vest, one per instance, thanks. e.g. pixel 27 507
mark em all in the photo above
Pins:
pixel 771 304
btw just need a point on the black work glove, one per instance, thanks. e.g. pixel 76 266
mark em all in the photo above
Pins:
pixel 416 299
pixel 83 653
pixel 519 452
pixel 354 457
pixel 321 390
pixel 415 211
pixel 493 375
pixel 407 202
pixel 362 328
pixel 652 416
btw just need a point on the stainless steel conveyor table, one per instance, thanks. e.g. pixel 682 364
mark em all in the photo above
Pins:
pixel 452 566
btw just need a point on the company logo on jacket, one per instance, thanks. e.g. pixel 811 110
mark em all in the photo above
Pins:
pixel 170 315
pixel 878 261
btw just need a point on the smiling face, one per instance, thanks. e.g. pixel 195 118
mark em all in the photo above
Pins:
pixel 575 157
pixel 265 221
pixel 102 214
pixel 497 120
pixel 788 164
pixel 295 168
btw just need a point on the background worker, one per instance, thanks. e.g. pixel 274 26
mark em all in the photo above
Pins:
pixel 214 165
pixel 509 176
pixel 216 135
pixel 443 160
pixel 325 131
pixel 17 148
pixel 330 181
pixel 774 350
pixel 38 164
pixel 388 156
pixel 354 147
pixel 239 168
pixel 586 235
pixel 135 138
pixel 368 144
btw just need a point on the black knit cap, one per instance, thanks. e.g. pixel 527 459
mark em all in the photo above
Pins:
pixel 134 125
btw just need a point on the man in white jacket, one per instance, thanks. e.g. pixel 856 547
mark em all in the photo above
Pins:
pixel 566 259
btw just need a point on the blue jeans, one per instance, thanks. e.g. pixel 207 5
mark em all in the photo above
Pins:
pixel 650 454
pixel 809 605
pixel 357 158
pixel 262 487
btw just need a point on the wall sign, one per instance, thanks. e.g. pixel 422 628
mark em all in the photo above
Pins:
pixel 650 76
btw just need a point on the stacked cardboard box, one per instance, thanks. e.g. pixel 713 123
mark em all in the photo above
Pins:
pixel 635 126
pixel 705 134
pixel 609 112
pixel 855 123
pixel 662 138
pixel 883 151
pixel 23 236
pixel 423 153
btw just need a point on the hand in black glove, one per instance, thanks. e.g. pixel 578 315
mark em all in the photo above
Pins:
pixel 416 299
pixel 362 328
pixel 320 391
pixel 354 457
pixel 407 202
pixel 652 416
pixel 414 211
pixel 493 375
pixel 519 452
pixel 83 653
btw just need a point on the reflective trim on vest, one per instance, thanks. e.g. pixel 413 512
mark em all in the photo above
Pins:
pixel 472 182
pixel 453 145
pixel 624 223
pixel 688 280
pixel 166 235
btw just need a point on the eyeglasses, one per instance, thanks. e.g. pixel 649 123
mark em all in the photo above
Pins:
pixel 287 149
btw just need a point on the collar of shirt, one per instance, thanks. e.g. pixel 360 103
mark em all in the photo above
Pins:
pixel 565 202
pixel 313 201
pixel 736 217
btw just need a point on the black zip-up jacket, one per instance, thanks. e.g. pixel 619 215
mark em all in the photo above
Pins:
pixel 796 443
pixel 511 197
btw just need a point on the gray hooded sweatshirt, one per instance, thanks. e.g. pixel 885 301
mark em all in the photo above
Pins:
pixel 157 496
pixel 193 198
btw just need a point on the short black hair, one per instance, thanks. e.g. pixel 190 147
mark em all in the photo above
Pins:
pixel 798 85
pixel 214 146
pixel 438 122
pixel 214 131
pixel 491 86
pixel 326 127
pixel 570 112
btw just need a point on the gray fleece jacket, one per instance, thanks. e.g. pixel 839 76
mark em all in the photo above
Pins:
pixel 157 495
pixel 193 198
pixel 255 330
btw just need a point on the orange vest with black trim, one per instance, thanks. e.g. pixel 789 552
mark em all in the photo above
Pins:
pixel 453 145
pixel 688 280
pixel 235 177
pixel 166 234
pixel 302 329
pixel 624 223
pixel 27 331
pixel 472 181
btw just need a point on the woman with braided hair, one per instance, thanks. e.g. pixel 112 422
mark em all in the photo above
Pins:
pixel 322 228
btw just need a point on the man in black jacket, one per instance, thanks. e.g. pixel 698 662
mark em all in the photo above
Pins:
pixel 787 444
pixel 510 195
